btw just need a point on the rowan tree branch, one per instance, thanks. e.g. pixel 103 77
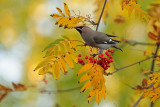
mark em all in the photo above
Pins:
pixel 131 65
pixel 137 102
pixel 133 43
pixel 152 66
pixel 101 14
pixel 60 91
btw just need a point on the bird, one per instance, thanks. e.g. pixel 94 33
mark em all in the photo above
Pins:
pixel 97 39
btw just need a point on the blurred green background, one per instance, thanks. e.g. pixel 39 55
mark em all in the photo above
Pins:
pixel 26 28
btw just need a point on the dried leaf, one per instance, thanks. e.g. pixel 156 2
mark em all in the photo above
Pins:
pixel 19 87
pixel 152 36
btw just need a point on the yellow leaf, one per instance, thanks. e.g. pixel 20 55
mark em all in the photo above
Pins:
pixel 84 78
pixel 73 56
pixel 66 9
pixel 45 62
pixel 61 66
pixel 56 16
pixel 59 20
pixel 56 71
pixel 62 48
pixel 86 86
pixel 98 96
pixel 91 95
pixel 84 68
pixel 67 46
pixel 42 71
pixel 68 59
pixel 60 11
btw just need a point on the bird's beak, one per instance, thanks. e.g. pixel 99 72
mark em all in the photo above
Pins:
pixel 78 29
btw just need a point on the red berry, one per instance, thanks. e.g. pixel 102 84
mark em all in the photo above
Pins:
pixel 79 55
pixel 110 57
pixel 99 56
pixel 90 58
pixel 109 50
pixel 108 65
pixel 83 63
pixel 86 57
pixel 106 53
pixel 112 51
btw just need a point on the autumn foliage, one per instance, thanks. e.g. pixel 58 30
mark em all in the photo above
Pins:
pixel 65 53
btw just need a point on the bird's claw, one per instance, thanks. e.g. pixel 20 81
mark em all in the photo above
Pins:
pixel 94 55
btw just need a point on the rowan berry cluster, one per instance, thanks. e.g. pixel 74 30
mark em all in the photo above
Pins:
pixel 103 60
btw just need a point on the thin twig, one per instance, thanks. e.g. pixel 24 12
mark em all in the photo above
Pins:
pixel 152 66
pixel 137 102
pixel 61 91
pixel 101 14
pixel 153 61
pixel 131 65
pixel 133 43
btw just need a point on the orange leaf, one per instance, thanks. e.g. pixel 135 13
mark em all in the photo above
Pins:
pixel 98 96
pixel 152 36
pixel 18 87
pixel 84 78
pixel 91 95
pixel 84 68
pixel 3 96
pixel 86 86
pixel 144 83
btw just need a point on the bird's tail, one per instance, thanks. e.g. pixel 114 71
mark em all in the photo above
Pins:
pixel 115 46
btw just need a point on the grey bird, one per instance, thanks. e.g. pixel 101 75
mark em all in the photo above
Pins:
pixel 97 39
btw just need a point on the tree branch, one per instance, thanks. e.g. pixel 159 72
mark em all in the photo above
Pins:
pixel 133 43
pixel 137 102
pixel 152 66
pixel 131 65
pixel 101 14
pixel 60 91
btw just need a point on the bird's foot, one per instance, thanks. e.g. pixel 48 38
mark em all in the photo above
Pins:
pixel 94 55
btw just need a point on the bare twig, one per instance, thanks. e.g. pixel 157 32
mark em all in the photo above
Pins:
pixel 101 14
pixel 133 43
pixel 61 91
pixel 152 66
pixel 153 61
pixel 131 65
pixel 137 102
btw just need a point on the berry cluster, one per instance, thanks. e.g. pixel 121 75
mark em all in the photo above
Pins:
pixel 103 60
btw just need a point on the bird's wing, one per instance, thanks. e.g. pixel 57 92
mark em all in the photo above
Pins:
pixel 110 35
pixel 104 39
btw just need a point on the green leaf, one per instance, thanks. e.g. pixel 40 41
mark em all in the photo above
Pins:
pixel 53 43
pixel 65 37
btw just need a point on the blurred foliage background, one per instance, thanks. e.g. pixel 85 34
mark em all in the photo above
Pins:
pixel 26 28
